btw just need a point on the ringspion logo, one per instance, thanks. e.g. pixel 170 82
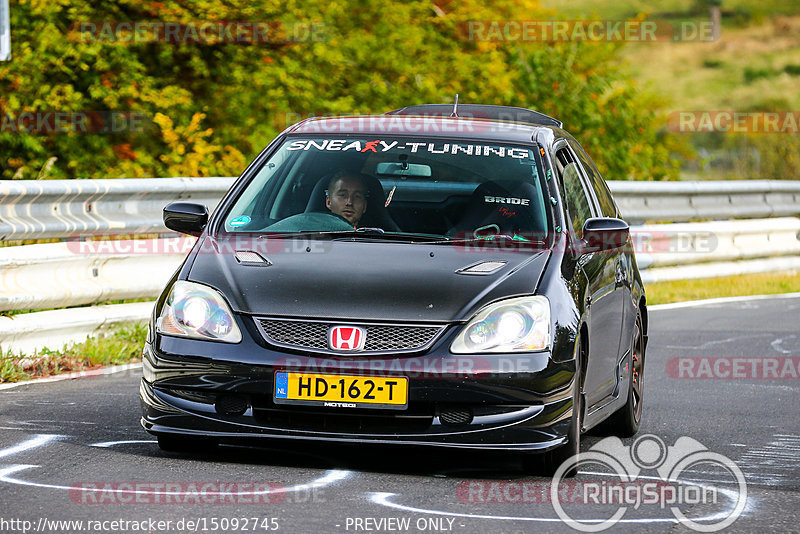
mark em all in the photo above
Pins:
pixel 649 474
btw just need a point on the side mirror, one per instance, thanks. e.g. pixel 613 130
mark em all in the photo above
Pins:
pixel 186 217
pixel 601 233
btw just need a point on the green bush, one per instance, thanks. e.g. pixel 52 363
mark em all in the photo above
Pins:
pixel 793 70
pixel 752 74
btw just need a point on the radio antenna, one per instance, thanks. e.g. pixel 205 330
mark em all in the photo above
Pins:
pixel 455 107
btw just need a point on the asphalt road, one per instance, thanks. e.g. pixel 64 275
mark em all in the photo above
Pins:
pixel 724 375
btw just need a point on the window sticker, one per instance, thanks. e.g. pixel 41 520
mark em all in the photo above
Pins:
pixel 239 221
pixel 380 146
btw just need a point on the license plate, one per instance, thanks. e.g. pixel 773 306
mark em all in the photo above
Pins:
pixel 341 391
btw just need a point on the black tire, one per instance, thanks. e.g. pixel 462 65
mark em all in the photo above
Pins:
pixel 547 463
pixel 625 421
pixel 178 443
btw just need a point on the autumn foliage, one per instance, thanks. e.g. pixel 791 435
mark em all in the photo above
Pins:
pixel 198 107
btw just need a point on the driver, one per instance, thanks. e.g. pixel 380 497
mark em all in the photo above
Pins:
pixel 346 196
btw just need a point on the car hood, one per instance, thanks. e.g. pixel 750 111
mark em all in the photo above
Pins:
pixel 364 280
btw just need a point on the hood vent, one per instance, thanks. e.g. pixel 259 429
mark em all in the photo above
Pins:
pixel 248 257
pixel 483 268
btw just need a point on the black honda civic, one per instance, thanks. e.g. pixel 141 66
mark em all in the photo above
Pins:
pixel 441 275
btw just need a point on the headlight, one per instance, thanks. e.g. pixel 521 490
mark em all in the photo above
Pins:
pixel 199 312
pixel 520 324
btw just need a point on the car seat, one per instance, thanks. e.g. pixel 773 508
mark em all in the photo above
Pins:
pixel 498 208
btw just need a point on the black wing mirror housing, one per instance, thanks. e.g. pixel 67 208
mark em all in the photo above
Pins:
pixel 604 233
pixel 186 217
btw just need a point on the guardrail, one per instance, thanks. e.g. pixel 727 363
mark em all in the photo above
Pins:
pixel 41 209
pixel 641 202
pixel 53 275
pixel 38 209
pixel 70 273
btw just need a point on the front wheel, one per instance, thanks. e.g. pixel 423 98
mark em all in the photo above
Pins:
pixel 548 462
pixel 625 421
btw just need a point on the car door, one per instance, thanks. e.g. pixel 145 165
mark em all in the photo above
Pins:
pixel 623 258
pixel 603 300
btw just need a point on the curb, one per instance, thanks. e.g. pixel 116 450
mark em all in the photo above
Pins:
pixel 75 375
pixel 722 300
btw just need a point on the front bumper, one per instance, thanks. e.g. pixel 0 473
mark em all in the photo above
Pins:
pixel 505 402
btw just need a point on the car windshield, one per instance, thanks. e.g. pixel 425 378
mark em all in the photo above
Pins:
pixel 420 189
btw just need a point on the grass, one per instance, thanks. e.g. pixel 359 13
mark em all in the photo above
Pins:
pixel 752 66
pixel 738 10
pixel 121 344
pixel 724 286
pixel 748 68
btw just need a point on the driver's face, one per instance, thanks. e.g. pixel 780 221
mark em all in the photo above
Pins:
pixel 348 198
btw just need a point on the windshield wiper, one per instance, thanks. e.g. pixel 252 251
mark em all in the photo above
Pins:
pixel 363 233
pixel 496 238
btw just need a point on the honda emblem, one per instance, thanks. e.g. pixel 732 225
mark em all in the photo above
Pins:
pixel 346 338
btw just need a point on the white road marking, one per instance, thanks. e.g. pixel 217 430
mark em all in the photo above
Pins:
pixel 776 345
pixel 38 441
pixel 773 464
pixel 715 342
pixel 330 477
pixel 112 443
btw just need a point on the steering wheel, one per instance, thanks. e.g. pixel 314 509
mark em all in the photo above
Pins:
pixel 314 221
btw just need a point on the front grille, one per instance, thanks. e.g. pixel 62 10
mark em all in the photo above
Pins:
pixel 296 333
pixel 381 338
pixel 456 416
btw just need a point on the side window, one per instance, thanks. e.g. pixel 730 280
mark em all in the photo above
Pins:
pixel 578 205
pixel 598 184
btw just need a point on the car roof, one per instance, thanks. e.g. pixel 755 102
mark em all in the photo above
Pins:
pixel 480 111
pixel 478 122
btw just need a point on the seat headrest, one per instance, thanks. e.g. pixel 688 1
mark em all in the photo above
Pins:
pixel 503 206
